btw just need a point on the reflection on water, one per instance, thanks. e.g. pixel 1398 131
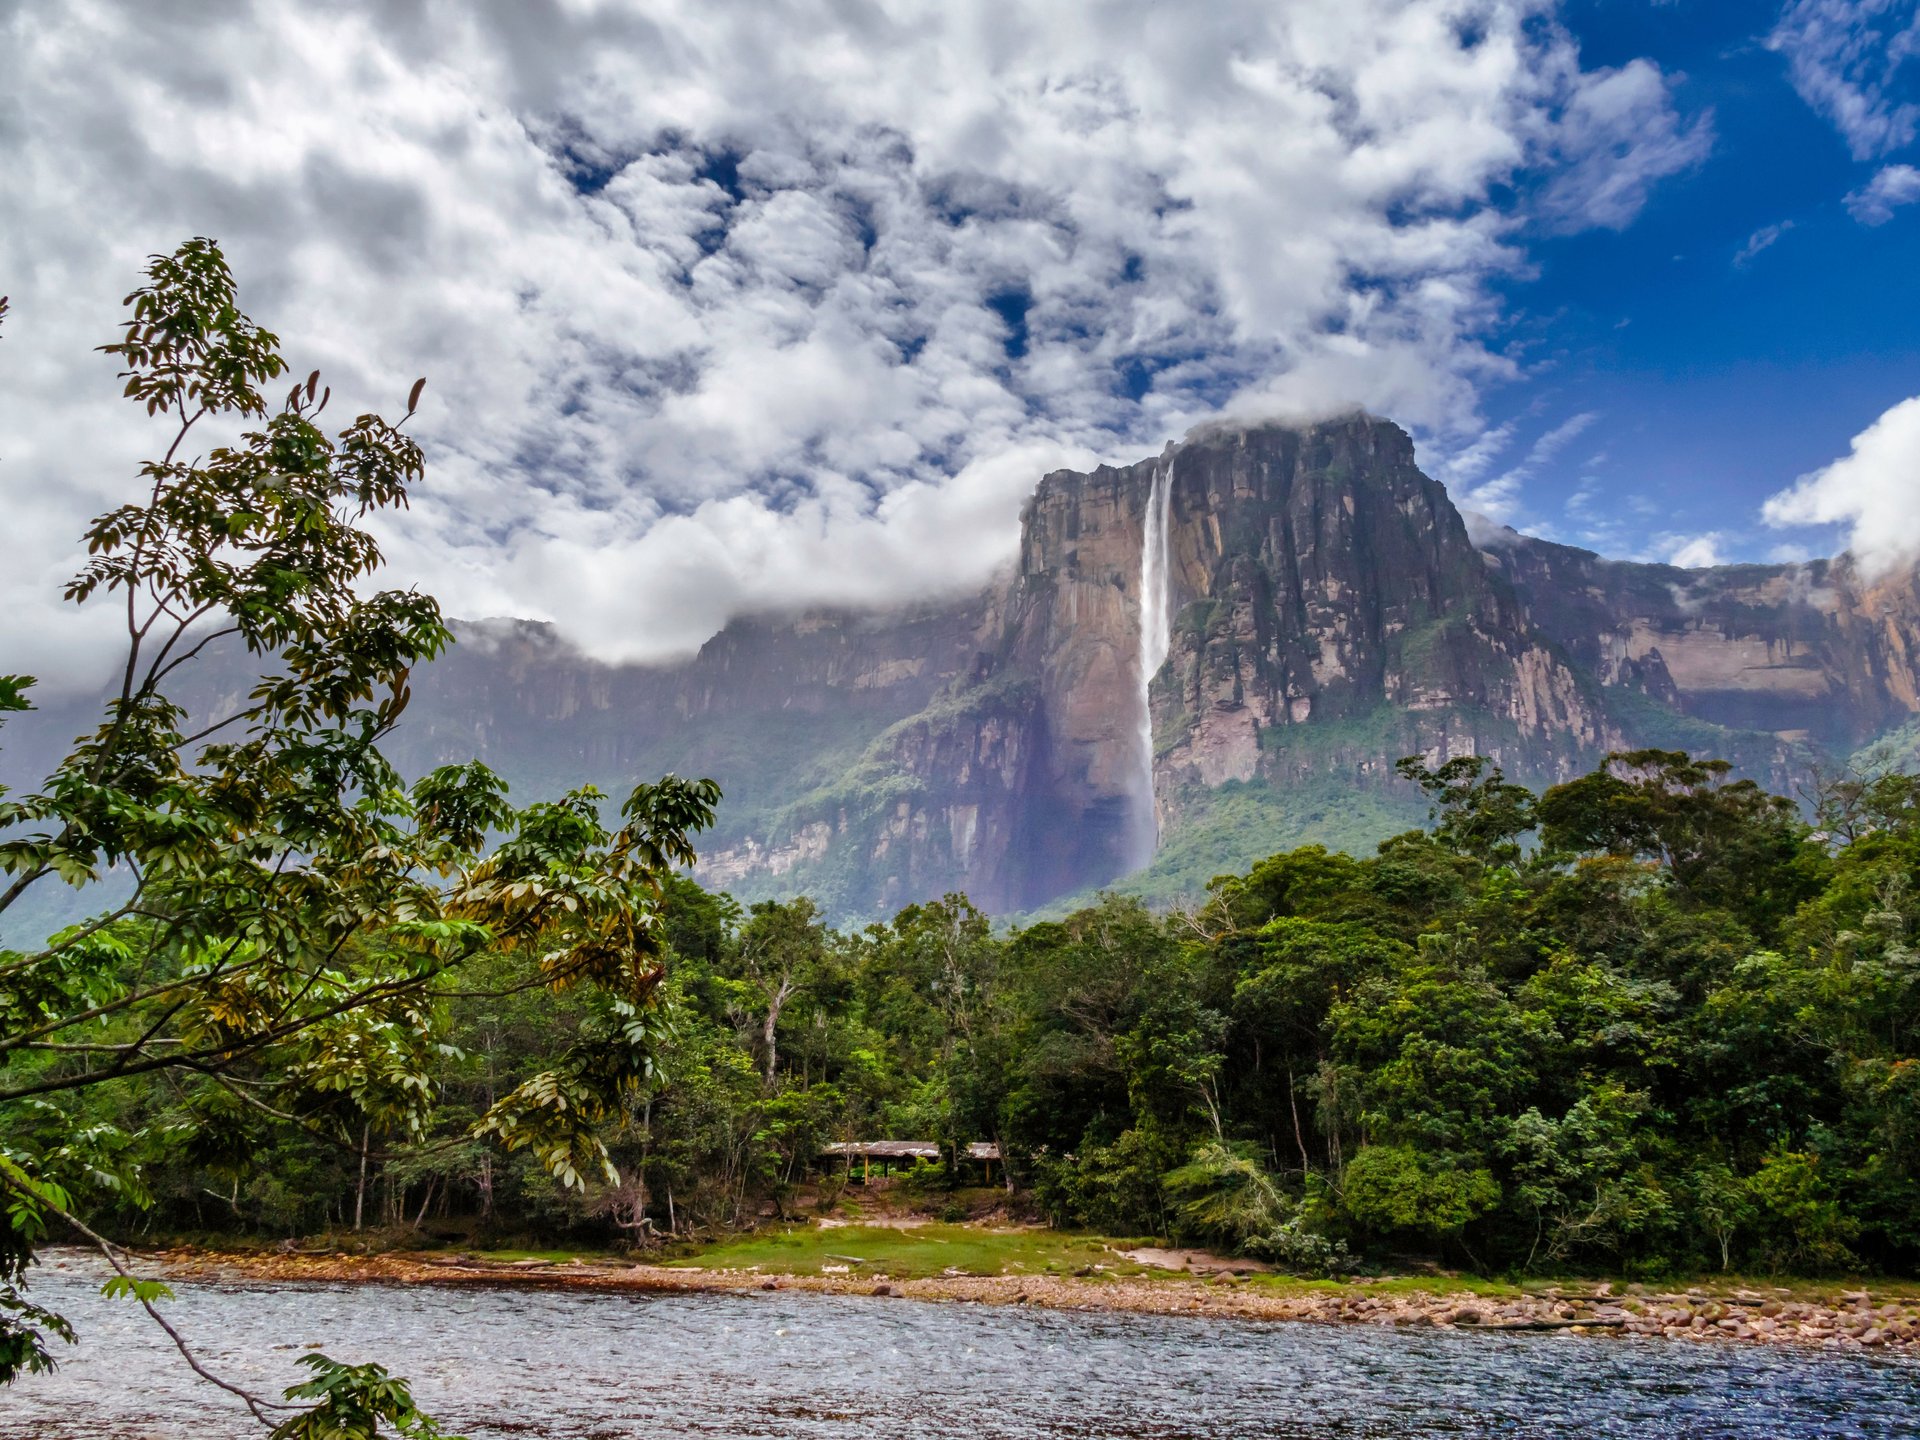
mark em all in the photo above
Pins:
pixel 577 1365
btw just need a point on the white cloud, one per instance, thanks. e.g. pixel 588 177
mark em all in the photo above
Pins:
pixel 720 305
pixel 1499 498
pixel 1843 57
pixel 1610 160
pixel 1761 239
pixel 1874 490
pixel 1892 187
pixel 1693 552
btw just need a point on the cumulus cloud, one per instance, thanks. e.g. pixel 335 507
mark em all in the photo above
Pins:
pixel 1692 552
pixel 1890 188
pixel 729 307
pixel 1844 59
pixel 1874 490
pixel 1761 239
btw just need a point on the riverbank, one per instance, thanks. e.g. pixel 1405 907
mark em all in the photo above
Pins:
pixel 1031 1268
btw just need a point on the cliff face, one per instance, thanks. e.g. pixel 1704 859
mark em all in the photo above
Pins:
pixel 1324 613
pixel 1808 652
pixel 1314 576
pixel 773 708
pixel 1319 577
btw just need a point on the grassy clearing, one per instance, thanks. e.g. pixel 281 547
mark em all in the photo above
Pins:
pixel 934 1249
pixel 923 1250
pixel 940 1249
pixel 558 1257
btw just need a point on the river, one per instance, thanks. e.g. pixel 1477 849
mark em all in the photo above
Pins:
pixel 583 1365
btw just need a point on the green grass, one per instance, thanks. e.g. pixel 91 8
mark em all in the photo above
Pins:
pixel 924 1250
pixel 938 1249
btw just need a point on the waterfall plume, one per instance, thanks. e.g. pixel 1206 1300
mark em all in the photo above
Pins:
pixel 1156 639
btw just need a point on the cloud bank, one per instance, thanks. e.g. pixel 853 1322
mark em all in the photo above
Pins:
pixel 1874 490
pixel 731 307
pixel 1844 59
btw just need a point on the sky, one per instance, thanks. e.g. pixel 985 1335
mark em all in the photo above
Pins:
pixel 734 307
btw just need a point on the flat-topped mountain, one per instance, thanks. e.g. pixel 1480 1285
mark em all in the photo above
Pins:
pixel 1320 609
pixel 1197 659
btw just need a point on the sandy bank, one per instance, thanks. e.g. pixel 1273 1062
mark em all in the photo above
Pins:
pixel 1854 1320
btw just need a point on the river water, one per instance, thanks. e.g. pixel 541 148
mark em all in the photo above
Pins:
pixel 581 1365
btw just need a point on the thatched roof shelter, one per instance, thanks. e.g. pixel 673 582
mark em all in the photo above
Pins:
pixel 888 1153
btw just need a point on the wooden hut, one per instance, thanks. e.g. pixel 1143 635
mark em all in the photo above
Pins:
pixel 887 1152
pixel 905 1152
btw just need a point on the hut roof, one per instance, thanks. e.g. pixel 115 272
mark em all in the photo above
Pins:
pixel 905 1150
pixel 884 1149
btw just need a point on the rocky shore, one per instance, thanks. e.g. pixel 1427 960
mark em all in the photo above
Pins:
pixel 1846 1319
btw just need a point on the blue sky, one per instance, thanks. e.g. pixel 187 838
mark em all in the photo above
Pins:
pixel 1716 376
pixel 735 308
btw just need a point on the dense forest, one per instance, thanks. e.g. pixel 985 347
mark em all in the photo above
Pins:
pixel 1649 1020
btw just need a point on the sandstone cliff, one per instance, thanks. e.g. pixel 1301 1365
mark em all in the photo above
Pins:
pixel 1328 613
pixel 1325 612
pixel 1805 651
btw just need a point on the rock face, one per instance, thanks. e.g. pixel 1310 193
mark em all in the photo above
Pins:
pixel 1812 651
pixel 1327 613
pixel 1316 577
pixel 1320 577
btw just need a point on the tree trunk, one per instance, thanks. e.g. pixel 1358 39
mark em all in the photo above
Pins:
pixel 1306 1167
pixel 775 1004
pixel 425 1201
pixel 360 1190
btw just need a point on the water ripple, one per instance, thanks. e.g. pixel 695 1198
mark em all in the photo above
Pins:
pixel 576 1365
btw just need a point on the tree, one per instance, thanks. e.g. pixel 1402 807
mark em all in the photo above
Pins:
pixel 1475 809
pixel 1723 843
pixel 292 909
pixel 782 950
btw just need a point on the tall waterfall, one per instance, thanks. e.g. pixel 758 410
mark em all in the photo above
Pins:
pixel 1156 639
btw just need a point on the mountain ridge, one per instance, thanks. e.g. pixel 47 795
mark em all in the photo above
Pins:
pixel 1326 611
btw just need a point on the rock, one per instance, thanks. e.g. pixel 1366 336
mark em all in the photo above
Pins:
pixel 1316 577
pixel 886 1290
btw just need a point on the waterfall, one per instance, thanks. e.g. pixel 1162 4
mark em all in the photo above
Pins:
pixel 1156 639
